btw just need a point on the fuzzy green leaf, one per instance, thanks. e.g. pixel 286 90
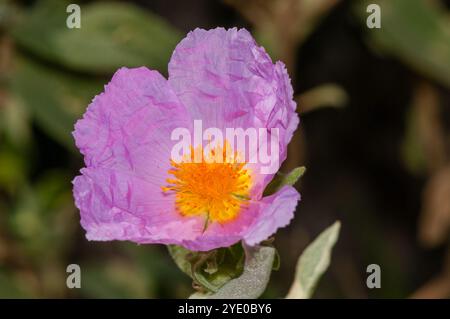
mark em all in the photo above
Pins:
pixel 210 270
pixel 313 263
pixel 281 180
pixel 254 279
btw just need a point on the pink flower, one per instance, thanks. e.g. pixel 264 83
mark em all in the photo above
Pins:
pixel 130 189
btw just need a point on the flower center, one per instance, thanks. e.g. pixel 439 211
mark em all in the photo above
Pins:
pixel 216 189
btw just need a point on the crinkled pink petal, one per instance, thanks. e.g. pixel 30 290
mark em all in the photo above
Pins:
pixel 256 223
pixel 275 211
pixel 227 234
pixel 125 138
pixel 115 205
pixel 225 79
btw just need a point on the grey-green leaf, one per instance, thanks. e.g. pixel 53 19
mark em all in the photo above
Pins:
pixel 179 254
pixel 253 281
pixel 281 180
pixel 112 35
pixel 313 263
pixel 415 31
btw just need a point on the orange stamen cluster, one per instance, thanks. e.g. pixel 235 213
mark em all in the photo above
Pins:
pixel 219 190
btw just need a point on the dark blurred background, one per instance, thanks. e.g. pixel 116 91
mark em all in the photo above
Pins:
pixel 374 136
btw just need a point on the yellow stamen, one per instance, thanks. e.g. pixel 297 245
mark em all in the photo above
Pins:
pixel 219 190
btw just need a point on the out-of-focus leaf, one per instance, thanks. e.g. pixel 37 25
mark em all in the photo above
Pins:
pixel 416 32
pixel 326 95
pixel 211 269
pixel 55 99
pixel 425 151
pixel 413 153
pixel 116 279
pixel 8 13
pixel 10 288
pixel 282 25
pixel 434 223
pixel 437 287
pixel 43 216
pixel 251 284
pixel 25 220
pixel 281 180
pixel 163 278
pixel 14 121
pixel 112 35
pixel 424 146
pixel 12 170
pixel 313 263
pixel 52 189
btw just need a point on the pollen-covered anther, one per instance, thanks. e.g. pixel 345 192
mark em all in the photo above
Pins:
pixel 219 190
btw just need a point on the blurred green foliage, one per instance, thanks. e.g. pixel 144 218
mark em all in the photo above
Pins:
pixel 53 97
pixel 130 37
pixel 416 32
